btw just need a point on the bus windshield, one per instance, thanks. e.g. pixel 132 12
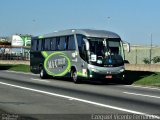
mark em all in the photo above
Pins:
pixel 106 52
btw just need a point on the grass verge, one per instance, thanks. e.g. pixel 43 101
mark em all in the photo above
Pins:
pixel 143 78
pixel 18 67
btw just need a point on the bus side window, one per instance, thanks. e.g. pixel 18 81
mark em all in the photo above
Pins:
pixel 79 39
pixel 57 43
pixel 81 47
pixel 62 44
pixel 47 44
pixel 34 44
pixel 71 43
pixel 53 44
pixel 43 44
pixel 38 45
pixel 66 42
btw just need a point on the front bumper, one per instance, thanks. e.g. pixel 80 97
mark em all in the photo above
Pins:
pixel 107 75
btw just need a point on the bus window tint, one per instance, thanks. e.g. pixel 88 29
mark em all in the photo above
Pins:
pixel 79 40
pixel 66 42
pixel 47 44
pixel 39 43
pixel 57 43
pixel 81 44
pixel 53 43
pixel 34 44
pixel 62 44
pixel 114 47
pixel 43 44
pixel 71 43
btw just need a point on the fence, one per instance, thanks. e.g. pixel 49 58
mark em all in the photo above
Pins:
pixel 15 56
pixel 139 53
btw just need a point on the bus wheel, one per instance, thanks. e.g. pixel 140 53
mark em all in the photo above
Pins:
pixel 42 74
pixel 74 76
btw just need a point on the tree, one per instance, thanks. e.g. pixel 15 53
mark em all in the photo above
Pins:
pixel 146 60
pixel 156 59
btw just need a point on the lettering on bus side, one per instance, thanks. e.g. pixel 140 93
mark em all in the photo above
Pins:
pixel 57 64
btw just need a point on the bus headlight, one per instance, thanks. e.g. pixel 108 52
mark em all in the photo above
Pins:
pixel 94 70
pixel 122 70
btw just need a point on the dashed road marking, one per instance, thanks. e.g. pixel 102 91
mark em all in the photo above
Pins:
pixel 144 95
pixel 145 87
pixel 39 80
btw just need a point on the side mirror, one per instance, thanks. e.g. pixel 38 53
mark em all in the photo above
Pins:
pixel 83 47
pixel 87 46
pixel 86 43
pixel 126 61
pixel 128 46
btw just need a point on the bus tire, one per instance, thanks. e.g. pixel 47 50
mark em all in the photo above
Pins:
pixel 42 73
pixel 74 76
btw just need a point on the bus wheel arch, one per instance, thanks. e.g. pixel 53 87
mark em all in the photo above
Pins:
pixel 42 72
pixel 74 75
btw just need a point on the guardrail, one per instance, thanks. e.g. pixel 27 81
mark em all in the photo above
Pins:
pixel 24 56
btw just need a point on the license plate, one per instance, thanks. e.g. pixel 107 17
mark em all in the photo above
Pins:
pixel 109 76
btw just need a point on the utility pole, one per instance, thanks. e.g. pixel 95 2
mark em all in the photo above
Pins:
pixel 150 57
pixel 136 55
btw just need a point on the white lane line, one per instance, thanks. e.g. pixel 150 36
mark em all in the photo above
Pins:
pixel 136 86
pixel 39 80
pixel 144 95
pixel 82 100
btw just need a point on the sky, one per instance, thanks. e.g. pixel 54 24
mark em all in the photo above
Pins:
pixel 133 20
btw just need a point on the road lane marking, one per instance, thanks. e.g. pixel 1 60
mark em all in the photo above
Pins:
pixel 82 100
pixel 145 87
pixel 144 95
pixel 39 80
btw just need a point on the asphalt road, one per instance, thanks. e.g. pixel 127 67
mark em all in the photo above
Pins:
pixel 25 96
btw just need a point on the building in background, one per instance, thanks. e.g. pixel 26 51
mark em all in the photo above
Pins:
pixel 5 45
pixel 21 40
pixel 21 45
pixel 16 47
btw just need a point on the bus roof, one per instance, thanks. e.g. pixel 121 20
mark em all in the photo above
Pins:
pixel 85 32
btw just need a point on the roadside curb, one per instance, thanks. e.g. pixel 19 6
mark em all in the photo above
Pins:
pixel 26 73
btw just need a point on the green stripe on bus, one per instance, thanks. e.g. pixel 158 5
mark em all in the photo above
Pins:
pixel 45 54
pixel 81 74
pixel 40 37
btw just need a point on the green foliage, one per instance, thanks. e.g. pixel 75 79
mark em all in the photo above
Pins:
pixel 18 67
pixel 156 59
pixel 143 78
pixel 151 80
pixel 146 60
